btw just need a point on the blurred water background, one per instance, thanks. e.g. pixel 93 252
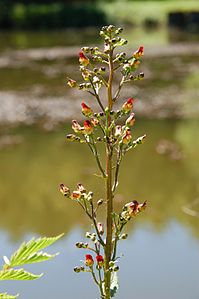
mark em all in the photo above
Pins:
pixel 161 255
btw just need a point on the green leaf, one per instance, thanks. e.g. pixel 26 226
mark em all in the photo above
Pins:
pixel 6 296
pixel 114 284
pixel 28 252
pixel 19 274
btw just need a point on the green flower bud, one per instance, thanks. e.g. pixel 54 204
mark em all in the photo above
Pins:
pixel 100 202
pixel 79 244
pixel 116 268
pixel 77 269
pixel 124 236
pixel 88 235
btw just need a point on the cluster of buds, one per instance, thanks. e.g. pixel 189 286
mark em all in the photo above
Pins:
pixel 92 237
pixel 76 194
pixel 81 245
pixel 79 269
pixel 132 209
pixel 90 50
pixel 132 64
pixel 87 128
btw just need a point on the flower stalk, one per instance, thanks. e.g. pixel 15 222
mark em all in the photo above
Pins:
pixel 117 140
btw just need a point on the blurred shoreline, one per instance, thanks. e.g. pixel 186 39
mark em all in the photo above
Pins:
pixel 54 105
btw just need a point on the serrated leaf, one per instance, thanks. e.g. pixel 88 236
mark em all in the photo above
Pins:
pixel 114 284
pixel 6 296
pixel 28 252
pixel 19 274
pixel 39 257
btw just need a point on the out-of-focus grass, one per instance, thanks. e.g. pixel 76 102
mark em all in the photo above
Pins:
pixel 137 12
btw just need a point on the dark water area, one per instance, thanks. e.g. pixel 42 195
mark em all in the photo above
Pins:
pixel 161 255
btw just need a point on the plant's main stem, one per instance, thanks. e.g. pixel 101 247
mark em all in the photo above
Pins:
pixel 109 193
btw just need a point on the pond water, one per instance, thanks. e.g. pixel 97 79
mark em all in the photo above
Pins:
pixel 161 255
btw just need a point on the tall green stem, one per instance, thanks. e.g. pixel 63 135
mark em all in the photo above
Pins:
pixel 109 194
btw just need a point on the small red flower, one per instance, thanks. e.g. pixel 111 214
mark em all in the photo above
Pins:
pixel 100 260
pixel 128 105
pixel 86 110
pixel 89 260
pixel 83 60
pixel 139 53
pixel 64 190
pixel 127 137
pixel 88 129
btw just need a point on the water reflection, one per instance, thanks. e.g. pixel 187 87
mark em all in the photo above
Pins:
pixel 33 169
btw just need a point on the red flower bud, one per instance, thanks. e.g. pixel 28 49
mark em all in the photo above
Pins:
pixel 100 260
pixel 64 190
pixel 83 60
pixel 128 105
pixel 130 120
pixel 86 110
pixel 89 260
pixel 139 53
pixel 88 129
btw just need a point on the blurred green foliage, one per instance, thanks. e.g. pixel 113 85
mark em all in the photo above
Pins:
pixel 46 16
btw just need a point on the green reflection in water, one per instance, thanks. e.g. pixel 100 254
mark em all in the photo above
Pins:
pixel 31 172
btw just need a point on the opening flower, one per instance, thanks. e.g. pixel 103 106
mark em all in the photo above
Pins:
pixel 88 129
pixel 72 83
pixel 86 110
pixel 128 105
pixel 80 188
pixel 64 190
pixel 89 260
pixel 75 195
pixel 83 60
pixel 100 260
pixel 127 137
pixel 76 126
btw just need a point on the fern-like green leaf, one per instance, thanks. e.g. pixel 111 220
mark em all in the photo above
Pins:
pixel 114 284
pixel 28 252
pixel 6 296
pixel 19 274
